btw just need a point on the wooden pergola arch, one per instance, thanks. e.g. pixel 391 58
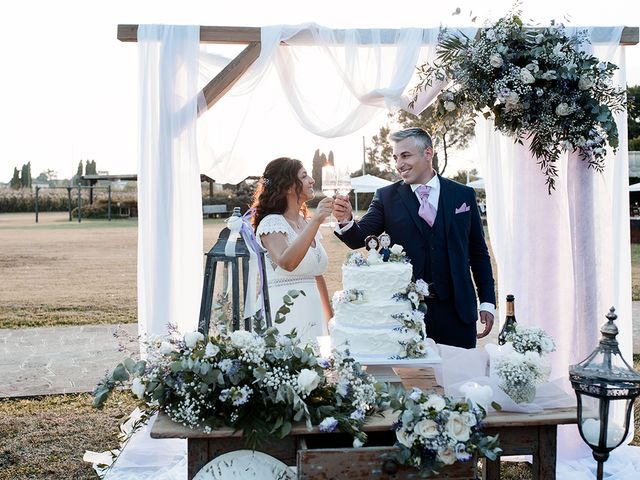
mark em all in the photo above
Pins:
pixel 251 36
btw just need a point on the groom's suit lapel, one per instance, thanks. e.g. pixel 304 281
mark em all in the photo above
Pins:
pixel 412 205
pixel 445 204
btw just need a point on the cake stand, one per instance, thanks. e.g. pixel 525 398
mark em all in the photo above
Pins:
pixel 382 368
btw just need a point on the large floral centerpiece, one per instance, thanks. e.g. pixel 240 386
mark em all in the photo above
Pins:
pixel 527 366
pixel 258 383
pixel 434 431
pixel 536 83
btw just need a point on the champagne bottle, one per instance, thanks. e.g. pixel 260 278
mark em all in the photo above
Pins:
pixel 510 321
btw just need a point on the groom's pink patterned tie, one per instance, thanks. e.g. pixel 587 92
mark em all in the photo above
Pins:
pixel 426 211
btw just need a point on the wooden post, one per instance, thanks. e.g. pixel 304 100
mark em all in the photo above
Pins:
pixel 37 191
pixel 109 203
pixel 69 200
pixel 79 202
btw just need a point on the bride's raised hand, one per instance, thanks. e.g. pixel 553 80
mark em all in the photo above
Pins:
pixel 324 209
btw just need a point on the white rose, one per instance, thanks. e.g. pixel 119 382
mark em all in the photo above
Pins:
pixel 192 338
pixel 405 438
pixel 533 67
pixel 447 455
pixel 308 380
pixel 434 401
pixel 138 388
pixel 563 109
pixel 241 338
pixel 211 350
pixel 449 106
pixel 165 348
pixel 457 427
pixel 413 296
pixel 415 394
pixel 585 83
pixel 469 419
pixel 426 428
pixel 526 77
pixel 397 248
pixel 357 443
pixel 547 345
pixel 495 60
pixel 512 99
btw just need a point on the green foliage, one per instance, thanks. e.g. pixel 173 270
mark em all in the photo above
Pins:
pixel 448 129
pixel 633 114
pixel 634 144
pixel 15 180
pixel 25 176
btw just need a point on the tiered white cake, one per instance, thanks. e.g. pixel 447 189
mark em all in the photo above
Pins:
pixel 376 314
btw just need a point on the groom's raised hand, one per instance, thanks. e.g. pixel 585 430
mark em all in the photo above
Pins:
pixel 342 210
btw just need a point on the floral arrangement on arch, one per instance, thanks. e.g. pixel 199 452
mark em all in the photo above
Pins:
pixel 434 431
pixel 258 383
pixel 536 83
pixel 527 366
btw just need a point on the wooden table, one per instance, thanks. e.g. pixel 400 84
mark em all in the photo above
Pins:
pixel 325 456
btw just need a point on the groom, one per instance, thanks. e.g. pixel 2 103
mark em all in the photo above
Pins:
pixel 437 222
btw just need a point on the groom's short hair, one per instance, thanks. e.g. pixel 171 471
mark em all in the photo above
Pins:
pixel 422 138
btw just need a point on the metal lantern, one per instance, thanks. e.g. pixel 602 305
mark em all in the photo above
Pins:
pixel 238 262
pixel 605 384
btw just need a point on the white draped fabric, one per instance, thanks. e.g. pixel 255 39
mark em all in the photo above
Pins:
pixel 565 256
pixel 169 195
pixel 324 84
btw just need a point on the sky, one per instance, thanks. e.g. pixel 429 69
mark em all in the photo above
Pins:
pixel 68 87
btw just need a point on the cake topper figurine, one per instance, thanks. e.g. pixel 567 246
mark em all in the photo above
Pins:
pixel 372 244
pixel 385 242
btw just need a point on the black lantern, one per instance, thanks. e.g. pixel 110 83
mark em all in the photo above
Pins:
pixel 605 385
pixel 237 260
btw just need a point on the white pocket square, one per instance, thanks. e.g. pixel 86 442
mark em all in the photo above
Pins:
pixel 463 208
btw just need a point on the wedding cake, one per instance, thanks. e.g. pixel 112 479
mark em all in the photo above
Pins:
pixel 376 314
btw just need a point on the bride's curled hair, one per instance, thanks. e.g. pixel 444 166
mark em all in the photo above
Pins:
pixel 271 193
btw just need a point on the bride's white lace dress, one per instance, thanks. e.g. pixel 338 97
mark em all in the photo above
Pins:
pixel 306 313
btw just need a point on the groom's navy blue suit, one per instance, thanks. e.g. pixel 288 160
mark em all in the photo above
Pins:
pixel 444 255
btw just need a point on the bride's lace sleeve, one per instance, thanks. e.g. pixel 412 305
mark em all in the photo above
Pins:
pixel 272 224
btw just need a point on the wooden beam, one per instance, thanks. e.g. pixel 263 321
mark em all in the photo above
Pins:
pixel 229 75
pixel 630 36
pixel 232 35
pixel 228 35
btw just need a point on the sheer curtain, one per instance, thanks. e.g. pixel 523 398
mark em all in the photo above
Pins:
pixel 324 84
pixel 169 196
pixel 565 256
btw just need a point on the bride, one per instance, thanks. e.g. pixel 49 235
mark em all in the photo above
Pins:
pixel 296 259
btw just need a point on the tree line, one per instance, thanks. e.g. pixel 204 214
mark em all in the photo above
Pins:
pixel 23 179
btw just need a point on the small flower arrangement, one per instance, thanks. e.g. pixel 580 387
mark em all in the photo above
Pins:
pixel 434 431
pixel 258 383
pixel 412 322
pixel 356 259
pixel 536 83
pixel 530 339
pixel 415 292
pixel 397 254
pixel 352 295
pixel 521 370
pixel 519 373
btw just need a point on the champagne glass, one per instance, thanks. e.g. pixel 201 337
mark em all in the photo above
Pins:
pixel 343 180
pixel 329 184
